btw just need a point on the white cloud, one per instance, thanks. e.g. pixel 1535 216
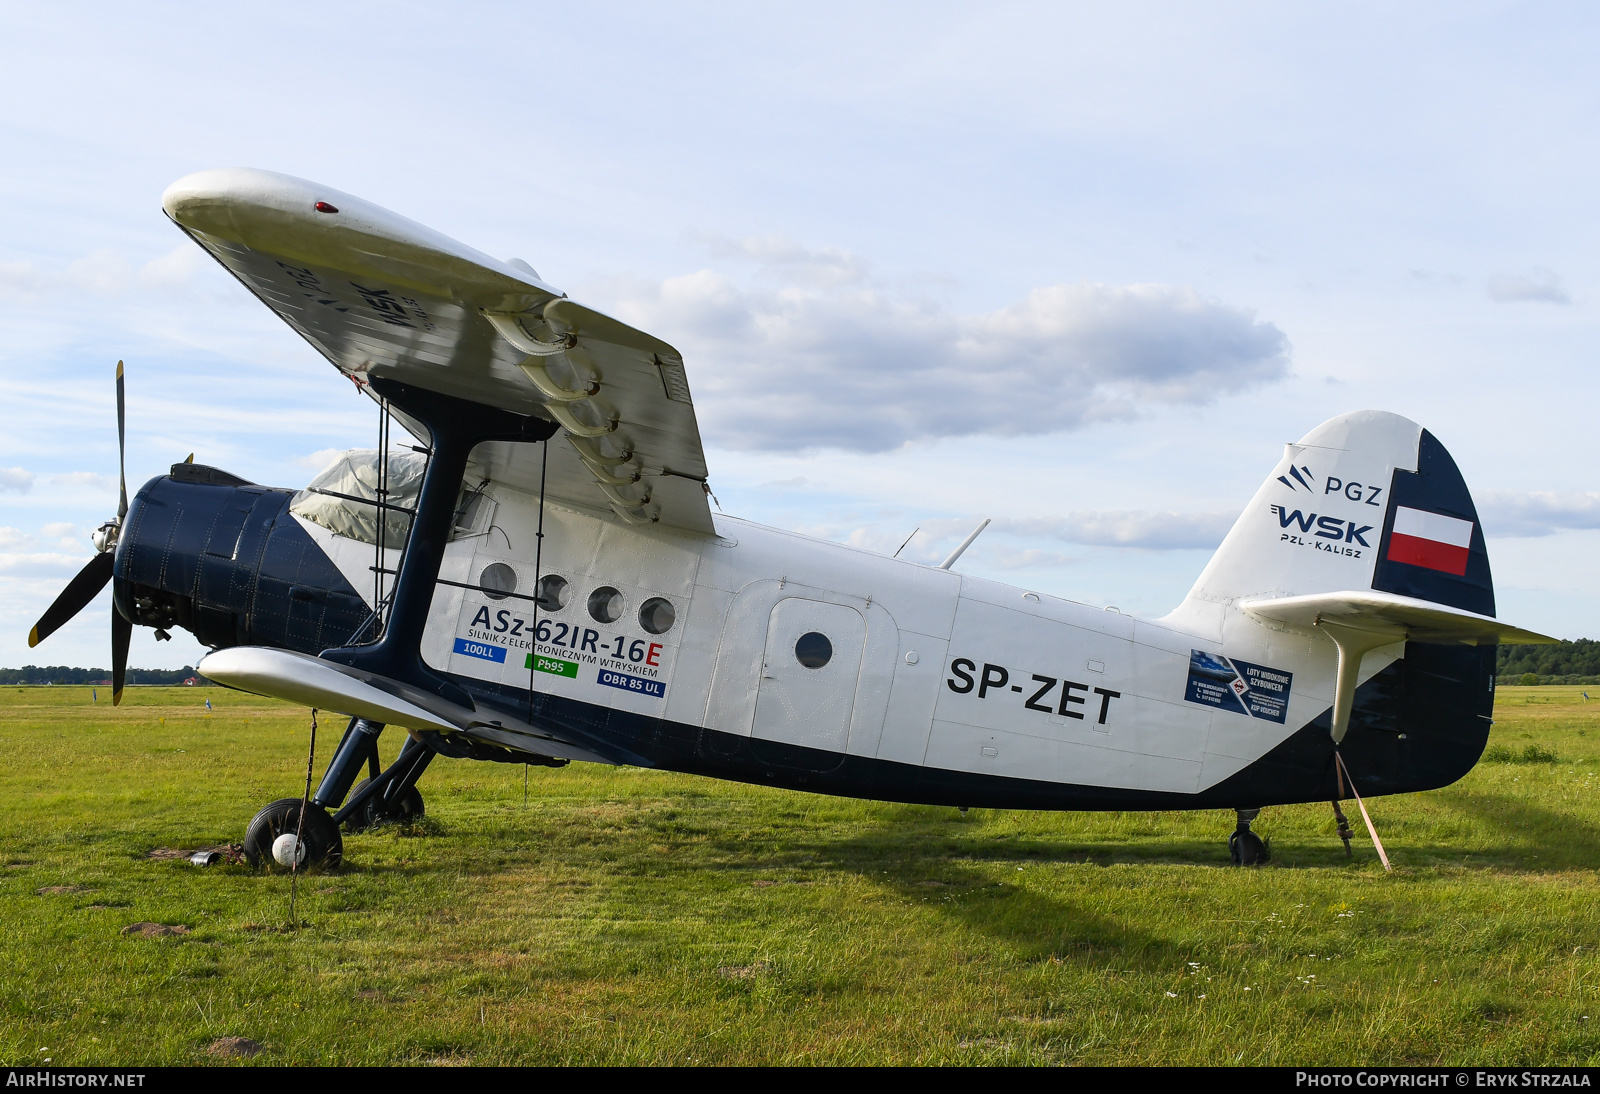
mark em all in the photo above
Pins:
pixel 1537 512
pixel 91 479
pixel 49 562
pixel 21 277
pixel 1538 285
pixel 107 273
pixel 102 272
pixel 173 270
pixel 67 536
pixel 319 460
pixel 1006 558
pixel 784 260
pixel 1152 531
pixel 15 480
pixel 14 537
pixel 829 360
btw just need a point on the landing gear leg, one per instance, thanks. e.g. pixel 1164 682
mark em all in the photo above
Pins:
pixel 359 746
pixel 1245 847
pixel 392 795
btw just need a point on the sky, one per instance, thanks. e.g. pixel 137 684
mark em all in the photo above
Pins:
pixel 1081 269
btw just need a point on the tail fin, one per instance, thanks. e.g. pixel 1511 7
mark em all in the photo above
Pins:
pixel 1367 500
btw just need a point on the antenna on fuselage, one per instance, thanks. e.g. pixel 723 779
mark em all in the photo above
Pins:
pixel 909 538
pixel 976 532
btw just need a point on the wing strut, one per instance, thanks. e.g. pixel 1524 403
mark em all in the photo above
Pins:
pixel 455 426
pixel 1353 643
pixel 538 573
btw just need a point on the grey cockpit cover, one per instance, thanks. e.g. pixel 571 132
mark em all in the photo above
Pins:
pixel 355 473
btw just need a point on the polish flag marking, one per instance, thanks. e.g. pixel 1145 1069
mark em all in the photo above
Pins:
pixel 1431 540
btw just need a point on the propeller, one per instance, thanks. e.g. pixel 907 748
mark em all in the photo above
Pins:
pixel 98 573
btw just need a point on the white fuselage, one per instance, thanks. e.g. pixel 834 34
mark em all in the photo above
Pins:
pixel 928 667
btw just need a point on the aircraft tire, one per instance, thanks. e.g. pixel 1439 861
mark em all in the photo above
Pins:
pixel 372 813
pixel 324 845
pixel 1248 849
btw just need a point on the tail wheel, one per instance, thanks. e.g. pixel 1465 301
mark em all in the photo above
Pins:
pixel 375 811
pixel 323 844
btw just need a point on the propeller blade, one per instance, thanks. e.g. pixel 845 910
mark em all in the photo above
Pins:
pixel 121 635
pixel 122 446
pixel 74 598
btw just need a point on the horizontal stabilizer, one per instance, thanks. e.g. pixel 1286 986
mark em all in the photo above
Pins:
pixel 1403 617
pixel 313 682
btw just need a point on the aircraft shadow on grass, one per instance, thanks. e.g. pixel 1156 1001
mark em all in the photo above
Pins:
pixel 947 874
pixel 1536 838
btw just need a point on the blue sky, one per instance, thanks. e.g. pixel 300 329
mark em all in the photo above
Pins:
pixel 1082 269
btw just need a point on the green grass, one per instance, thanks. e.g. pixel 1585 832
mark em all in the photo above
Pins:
pixel 628 916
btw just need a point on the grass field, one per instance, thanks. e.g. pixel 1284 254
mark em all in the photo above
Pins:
pixel 626 916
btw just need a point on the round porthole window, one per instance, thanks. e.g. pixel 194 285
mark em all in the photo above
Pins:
pixel 605 605
pixel 657 615
pixel 813 650
pixel 552 592
pixel 497 580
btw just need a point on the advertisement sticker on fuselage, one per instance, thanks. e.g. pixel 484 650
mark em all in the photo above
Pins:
pixel 1252 690
pixel 621 660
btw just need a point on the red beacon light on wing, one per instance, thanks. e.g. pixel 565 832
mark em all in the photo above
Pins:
pixel 324 207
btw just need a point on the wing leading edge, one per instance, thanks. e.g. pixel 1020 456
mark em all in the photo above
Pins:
pixel 382 296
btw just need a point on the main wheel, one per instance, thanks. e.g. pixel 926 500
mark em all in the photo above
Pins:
pixel 323 844
pixel 1248 849
pixel 375 811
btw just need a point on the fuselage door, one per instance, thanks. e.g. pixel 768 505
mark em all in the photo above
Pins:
pixel 808 674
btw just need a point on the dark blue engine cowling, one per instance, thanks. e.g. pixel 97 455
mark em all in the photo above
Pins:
pixel 204 550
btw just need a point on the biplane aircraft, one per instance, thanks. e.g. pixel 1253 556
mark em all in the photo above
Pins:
pixel 541 580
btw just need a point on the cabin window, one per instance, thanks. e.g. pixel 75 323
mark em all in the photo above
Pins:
pixel 813 650
pixel 605 605
pixel 657 615
pixel 498 580
pixel 552 592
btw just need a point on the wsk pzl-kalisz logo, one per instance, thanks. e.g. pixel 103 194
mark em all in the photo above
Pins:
pixel 1332 534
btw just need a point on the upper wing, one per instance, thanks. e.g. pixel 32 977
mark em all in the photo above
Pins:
pixel 380 295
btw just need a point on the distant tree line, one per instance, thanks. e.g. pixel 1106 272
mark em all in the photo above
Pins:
pixel 65 674
pixel 1563 663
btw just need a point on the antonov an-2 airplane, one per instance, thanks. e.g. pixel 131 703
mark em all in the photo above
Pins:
pixel 543 581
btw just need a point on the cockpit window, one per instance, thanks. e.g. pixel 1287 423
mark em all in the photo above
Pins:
pixel 338 498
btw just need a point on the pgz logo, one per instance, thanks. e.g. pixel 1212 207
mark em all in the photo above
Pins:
pixel 1344 531
pixel 1295 471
